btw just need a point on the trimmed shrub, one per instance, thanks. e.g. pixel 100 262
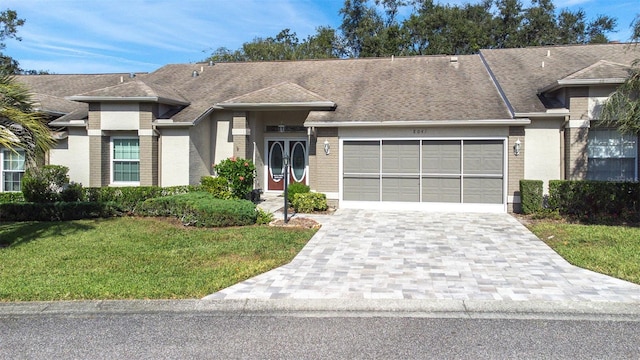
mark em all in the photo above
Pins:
pixel 216 186
pixel 45 184
pixel 309 202
pixel 531 196
pixel 263 217
pixel 596 201
pixel 239 174
pixel 296 188
pixel 58 211
pixel 201 209
pixel 130 197
pixel 11 197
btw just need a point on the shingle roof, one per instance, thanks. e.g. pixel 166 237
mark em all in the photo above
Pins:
pixel 521 72
pixel 381 89
pixel 49 91
pixel 134 89
pixel 285 92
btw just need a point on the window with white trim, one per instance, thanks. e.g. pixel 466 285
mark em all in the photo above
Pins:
pixel 125 160
pixel 13 164
pixel 612 156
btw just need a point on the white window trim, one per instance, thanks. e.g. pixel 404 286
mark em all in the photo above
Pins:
pixel 3 170
pixel 112 182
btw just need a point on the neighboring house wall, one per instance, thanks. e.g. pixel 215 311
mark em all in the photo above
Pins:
pixel 174 152
pixel 73 152
pixel 543 160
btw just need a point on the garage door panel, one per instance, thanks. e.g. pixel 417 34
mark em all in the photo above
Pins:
pixel 400 156
pixel 400 189
pixel 361 189
pixel 441 190
pixel 441 157
pixel 361 157
pixel 483 190
pixel 483 157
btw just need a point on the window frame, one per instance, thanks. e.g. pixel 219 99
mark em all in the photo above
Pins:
pixel 112 161
pixel 621 137
pixel 4 171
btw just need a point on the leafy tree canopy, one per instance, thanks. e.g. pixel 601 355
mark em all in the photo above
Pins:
pixel 372 28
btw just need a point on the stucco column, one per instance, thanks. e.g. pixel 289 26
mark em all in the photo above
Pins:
pixel 324 167
pixel 241 133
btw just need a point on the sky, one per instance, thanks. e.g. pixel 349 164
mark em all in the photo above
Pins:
pixel 106 36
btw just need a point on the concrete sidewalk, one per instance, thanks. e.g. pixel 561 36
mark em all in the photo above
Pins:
pixel 365 254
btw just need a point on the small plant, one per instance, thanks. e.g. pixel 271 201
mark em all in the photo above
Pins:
pixel 264 217
pixel 309 202
pixel 296 188
pixel 239 174
pixel 216 186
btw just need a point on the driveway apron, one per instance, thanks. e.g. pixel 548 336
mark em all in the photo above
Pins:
pixel 367 254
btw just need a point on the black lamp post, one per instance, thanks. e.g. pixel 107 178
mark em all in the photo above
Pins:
pixel 285 161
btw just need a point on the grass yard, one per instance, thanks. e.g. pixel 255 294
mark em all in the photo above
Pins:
pixel 611 250
pixel 135 258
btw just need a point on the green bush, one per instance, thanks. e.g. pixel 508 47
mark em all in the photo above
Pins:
pixel 263 217
pixel 296 188
pixel 531 196
pixel 596 201
pixel 57 211
pixel 309 202
pixel 45 184
pixel 201 209
pixel 130 197
pixel 239 174
pixel 216 186
pixel 11 197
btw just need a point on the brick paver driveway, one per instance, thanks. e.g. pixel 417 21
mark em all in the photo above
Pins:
pixel 365 254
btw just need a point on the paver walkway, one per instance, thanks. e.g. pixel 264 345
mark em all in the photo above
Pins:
pixel 364 254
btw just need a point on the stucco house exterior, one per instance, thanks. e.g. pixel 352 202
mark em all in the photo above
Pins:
pixel 431 132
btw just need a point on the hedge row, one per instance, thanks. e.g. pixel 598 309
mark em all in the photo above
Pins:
pixel 58 211
pixel 596 199
pixel 128 198
pixel 11 197
pixel 201 209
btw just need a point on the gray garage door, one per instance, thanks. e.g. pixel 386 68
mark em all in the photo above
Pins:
pixel 444 171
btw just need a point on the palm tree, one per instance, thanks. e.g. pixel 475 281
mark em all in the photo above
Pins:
pixel 622 109
pixel 21 128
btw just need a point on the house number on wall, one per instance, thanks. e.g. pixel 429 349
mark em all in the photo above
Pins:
pixel 419 131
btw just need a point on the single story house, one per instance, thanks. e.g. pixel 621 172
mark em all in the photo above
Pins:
pixel 453 133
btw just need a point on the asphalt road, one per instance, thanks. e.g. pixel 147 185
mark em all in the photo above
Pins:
pixel 313 335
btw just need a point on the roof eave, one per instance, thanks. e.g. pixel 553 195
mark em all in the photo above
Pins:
pixel 424 123
pixel 580 82
pixel 548 113
pixel 310 105
pixel 156 99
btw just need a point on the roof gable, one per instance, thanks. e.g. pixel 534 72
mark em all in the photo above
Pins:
pixel 284 94
pixel 136 90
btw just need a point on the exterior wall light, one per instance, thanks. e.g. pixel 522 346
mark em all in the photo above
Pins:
pixel 516 147
pixel 327 147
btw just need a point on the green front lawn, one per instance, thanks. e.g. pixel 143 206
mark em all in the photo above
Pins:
pixel 135 258
pixel 611 250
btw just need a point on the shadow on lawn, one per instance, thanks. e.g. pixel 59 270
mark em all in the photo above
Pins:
pixel 17 233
